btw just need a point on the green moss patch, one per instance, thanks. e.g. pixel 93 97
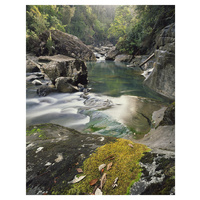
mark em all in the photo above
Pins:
pixel 32 131
pixel 124 155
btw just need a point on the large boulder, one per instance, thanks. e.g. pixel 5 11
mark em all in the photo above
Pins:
pixel 66 44
pixel 112 54
pixel 123 58
pixel 162 78
pixel 64 66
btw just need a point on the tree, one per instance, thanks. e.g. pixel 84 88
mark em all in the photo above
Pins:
pixel 119 25
pixel 37 21
pixel 146 23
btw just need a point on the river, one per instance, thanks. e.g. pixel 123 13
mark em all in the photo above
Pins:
pixel 118 105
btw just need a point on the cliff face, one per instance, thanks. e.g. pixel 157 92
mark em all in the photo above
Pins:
pixel 162 78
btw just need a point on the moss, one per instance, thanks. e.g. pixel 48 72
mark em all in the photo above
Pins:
pixel 32 131
pixel 137 179
pixel 125 166
pixel 94 128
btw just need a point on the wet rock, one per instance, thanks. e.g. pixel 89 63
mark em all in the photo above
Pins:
pixel 44 90
pixel 64 150
pixel 32 66
pixel 37 82
pixel 137 60
pixel 112 54
pixel 33 77
pixel 100 103
pixel 63 66
pixel 63 84
pixel 123 58
pixel 169 116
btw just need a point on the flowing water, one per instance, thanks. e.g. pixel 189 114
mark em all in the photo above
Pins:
pixel 118 104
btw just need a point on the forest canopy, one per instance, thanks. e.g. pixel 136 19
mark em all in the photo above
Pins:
pixel 129 27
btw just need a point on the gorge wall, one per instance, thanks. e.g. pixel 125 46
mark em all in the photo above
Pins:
pixel 162 78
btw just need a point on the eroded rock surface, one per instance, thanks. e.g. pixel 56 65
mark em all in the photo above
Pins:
pixel 162 78
pixel 53 153
pixel 64 66
pixel 158 175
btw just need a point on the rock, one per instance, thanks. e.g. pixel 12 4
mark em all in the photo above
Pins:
pixel 162 78
pixel 66 44
pixel 103 52
pixel 158 115
pixel 37 82
pixel 137 60
pixel 112 54
pixel 34 77
pixel 44 90
pixel 57 58
pixel 63 84
pixel 123 58
pixel 97 49
pixel 63 66
pixel 91 47
pixel 97 55
pixel 43 172
pixel 31 66
pixel 109 45
pixel 105 48
pixel 100 103
pixel 158 175
pixel 169 116
pixel 162 137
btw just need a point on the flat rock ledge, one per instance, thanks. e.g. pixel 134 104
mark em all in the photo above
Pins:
pixel 53 153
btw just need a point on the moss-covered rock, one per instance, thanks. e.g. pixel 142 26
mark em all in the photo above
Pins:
pixel 124 155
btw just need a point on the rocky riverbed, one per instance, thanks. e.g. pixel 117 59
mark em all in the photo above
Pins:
pixel 110 131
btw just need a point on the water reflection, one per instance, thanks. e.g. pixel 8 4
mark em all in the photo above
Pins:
pixel 116 79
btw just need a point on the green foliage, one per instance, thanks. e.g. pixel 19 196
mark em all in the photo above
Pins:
pixel 146 22
pixel 86 22
pixel 128 26
pixel 50 45
pixel 32 131
pixel 83 24
pixel 119 25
